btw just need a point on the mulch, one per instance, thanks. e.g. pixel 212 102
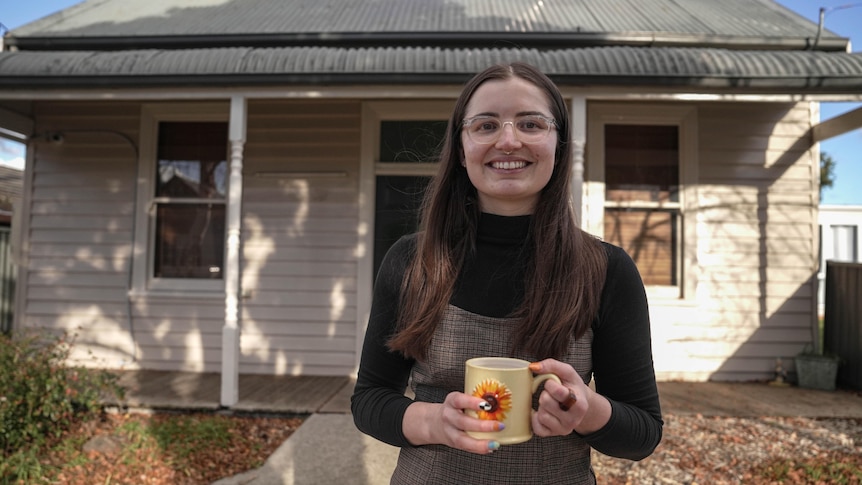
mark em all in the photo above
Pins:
pixel 695 450
pixel 139 462
pixel 698 449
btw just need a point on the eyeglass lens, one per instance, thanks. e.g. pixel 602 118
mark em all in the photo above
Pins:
pixel 487 129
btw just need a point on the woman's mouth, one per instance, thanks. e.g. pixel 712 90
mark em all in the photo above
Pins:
pixel 508 165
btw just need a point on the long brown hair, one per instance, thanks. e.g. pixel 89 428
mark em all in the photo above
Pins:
pixel 564 282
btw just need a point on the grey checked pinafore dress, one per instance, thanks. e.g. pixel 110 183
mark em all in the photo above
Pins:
pixel 462 335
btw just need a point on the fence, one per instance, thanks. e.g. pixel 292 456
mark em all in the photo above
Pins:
pixel 843 320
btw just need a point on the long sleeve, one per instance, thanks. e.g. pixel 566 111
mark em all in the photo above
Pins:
pixel 378 402
pixel 623 364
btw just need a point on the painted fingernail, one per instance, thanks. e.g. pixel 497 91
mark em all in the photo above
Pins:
pixel 493 445
pixel 535 367
pixel 569 402
pixel 501 426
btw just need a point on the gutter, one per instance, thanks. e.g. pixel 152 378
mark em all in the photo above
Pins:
pixel 425 39
pixel 737 84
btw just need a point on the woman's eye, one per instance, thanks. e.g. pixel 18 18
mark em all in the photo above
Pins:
pixel 487 126
pixel 530 125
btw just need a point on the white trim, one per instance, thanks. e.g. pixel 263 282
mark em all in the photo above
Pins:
pixel 578 122
pixel 685 118
pixel 151 115
pixel 233 272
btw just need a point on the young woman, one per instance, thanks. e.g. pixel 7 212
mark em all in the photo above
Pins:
pixel 500 268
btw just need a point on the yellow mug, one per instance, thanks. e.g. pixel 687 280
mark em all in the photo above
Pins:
pixel 507 386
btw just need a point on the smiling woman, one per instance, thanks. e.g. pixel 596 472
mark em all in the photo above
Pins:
pixel 499 267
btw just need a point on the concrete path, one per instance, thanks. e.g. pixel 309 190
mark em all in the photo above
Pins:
pixel 326 449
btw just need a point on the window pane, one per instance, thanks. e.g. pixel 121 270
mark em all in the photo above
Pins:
pixel 844 243
pixel 642 163
pixel 411 141
pixel 192 160
pixel 397 211
pixel 189 241
pixel 648 236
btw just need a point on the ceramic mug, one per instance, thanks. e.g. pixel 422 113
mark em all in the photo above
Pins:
pixel 507 386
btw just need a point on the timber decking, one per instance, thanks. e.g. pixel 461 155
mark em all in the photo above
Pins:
pixel 331 394
pixel 257 393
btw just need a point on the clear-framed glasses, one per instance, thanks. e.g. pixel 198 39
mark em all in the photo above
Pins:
pixel 485 129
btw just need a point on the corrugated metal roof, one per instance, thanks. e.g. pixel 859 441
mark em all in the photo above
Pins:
pixel 780 71
pixel 124 18
pixel 728 44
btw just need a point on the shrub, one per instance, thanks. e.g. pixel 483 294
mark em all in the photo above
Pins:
pixel 41 396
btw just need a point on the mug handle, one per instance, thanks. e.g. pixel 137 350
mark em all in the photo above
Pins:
pixel 542 378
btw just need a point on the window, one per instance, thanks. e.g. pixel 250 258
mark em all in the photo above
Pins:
pixel 182 198
pixel 401 144
pixel 189 200
pixel 410 141
pixel 398 197
pixel 844 243
pixel 642 198
pixel 640 173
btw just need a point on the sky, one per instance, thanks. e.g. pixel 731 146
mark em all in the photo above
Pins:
pixel 843 17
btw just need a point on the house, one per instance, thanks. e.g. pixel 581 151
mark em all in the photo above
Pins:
pixel 211 184
pixel 840 240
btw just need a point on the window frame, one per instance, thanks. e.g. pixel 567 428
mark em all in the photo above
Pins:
pixel 685 119
pixel 374 113
pixel 143 279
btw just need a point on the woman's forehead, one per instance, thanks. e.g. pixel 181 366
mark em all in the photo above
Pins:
pixel 511 96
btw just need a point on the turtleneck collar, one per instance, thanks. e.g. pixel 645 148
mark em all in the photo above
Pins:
pixel 494 228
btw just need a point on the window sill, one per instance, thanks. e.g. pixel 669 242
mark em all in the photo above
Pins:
pixel 173 295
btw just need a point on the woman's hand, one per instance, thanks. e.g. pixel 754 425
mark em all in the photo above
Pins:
pixel 570 406
pixel 446 423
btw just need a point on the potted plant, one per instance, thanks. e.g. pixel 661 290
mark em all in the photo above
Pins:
pixel 816 369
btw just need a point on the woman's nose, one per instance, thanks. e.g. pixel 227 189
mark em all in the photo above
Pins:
pixel 508 137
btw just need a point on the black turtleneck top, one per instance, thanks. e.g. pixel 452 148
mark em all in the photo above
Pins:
pixel 491 283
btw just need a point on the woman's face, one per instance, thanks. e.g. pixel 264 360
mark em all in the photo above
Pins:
pixel 509 172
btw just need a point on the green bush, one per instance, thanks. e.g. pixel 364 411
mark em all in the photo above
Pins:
pixel 40 397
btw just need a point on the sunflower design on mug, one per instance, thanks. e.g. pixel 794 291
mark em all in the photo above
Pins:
pixel 498 399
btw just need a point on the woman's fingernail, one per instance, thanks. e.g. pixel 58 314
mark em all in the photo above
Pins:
pixel 535 366
pixel 501 426
pixel 493 445
pixel 569 402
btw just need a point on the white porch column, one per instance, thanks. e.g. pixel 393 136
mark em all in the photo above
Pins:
pixel 578 122
pixel 232 273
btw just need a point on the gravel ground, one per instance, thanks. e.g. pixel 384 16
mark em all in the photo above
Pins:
pixel 702 450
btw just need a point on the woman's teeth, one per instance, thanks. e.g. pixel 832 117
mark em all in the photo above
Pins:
pixel 509 165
